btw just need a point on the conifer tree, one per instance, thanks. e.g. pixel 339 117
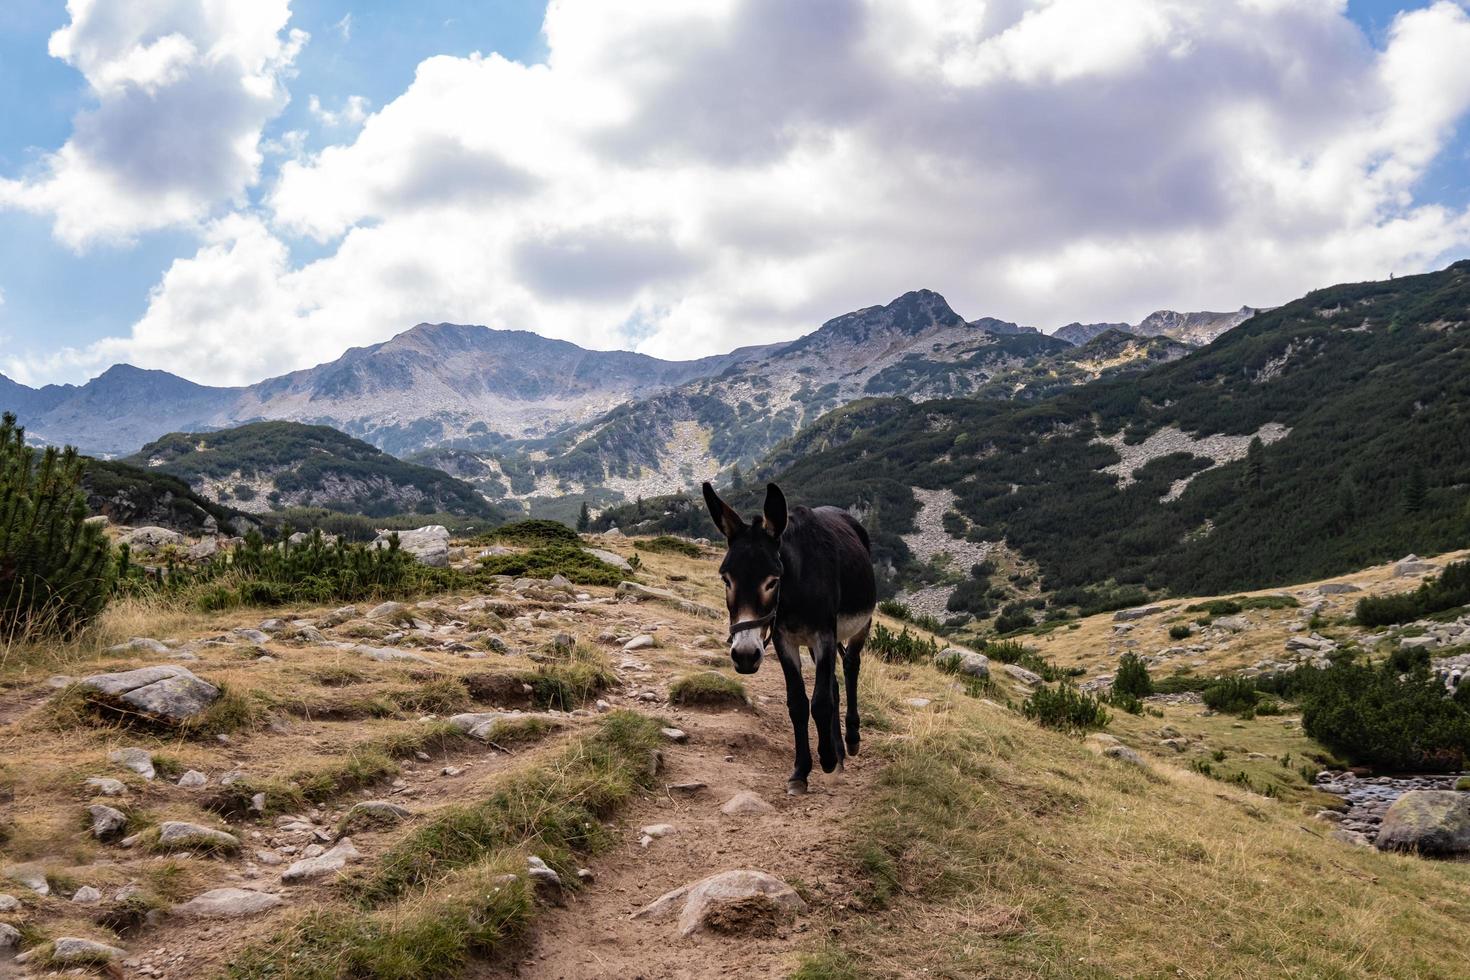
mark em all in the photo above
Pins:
pixel 1414 491
pixel 55 568
pixel 584 518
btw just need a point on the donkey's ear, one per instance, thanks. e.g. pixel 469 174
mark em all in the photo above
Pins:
pixel 723 514
pixel 775 510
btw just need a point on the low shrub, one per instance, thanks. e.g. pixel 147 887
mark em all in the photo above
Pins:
pixel 1066 708
pixel 709 688
pixel 1231 695
pixel 1180 631
pixel 533 533
pixel 668 544
pixel 1132 678
pixel 570 561
pixel 902 647
pixel 1448 590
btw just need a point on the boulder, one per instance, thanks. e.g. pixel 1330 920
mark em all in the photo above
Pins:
pixel 640 642
pixel 139 644
pixel 9 939
pixel 167 692
pixel 204 550
pixel 30 876
pixel 966 662
pixel 1429 821
pixel 150 540
pixel 677 601
pixel 731 901
pixel 1023 675
pixel 86 895
pixel 9 903
pixel 428 545
pixel 370 812
pixel 1235 624
pixel 1137 612
pixel 612 558
pixel 390 611
pixel 1411 567
pixel 1124 754
pixel 107 786
pixel 227 903
pixel 1338 588
pixel 480 724
pixel 192 779
pixel 1419 643
pixel 323 864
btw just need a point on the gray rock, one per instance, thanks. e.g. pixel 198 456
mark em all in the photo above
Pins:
pixel 176 835
pixel 1338 588
pixel 166 692
pixel 151 540
pixel 1137 612
pixel 700 903
pixel 1419 643
pixel 9 903
pixel 329 863
pixel 30 876
pixel 139 644
pixel 86 895
pixel 1124 754
pixel 9 939
pixel 674 734
pixel 390 611
pixel 640 642
pixel 69 950
pixel 204 550
pixel 107 786
pixel 429 545
pixel 1411 567
pixel 745 803
pixel 541 873
pixel 136 759
pixel 227 903
pixel 1428 821
pixel 1235 624
pixel 193 779
pixel 376 811
pixel 107 823
pixel 966 662
pixel 389 655
pixel 1022 674
pixel 679 602
pixel 480 724
pixel 612 558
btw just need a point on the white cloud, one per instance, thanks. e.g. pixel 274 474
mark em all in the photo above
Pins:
pixel 691 177
pixel 344 26
pixel 182 89
pixel 353 112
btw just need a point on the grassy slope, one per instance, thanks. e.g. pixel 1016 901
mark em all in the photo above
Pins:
pixel 995 848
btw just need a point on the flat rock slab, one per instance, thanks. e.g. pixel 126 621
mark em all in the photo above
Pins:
pixel 677 601
pixel 323 864
pixel 31 876
pixel 481 724
pixel 228 903
pixel 429 545
pixel 176 835
pixel 168 691
pixel 612 558
pixel 389 655
pixel 1430 821
pixel 138 760
pixel 1137 612
pixel 707 904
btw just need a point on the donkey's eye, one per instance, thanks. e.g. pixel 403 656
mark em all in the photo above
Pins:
pixel 769 584
pixel 726 579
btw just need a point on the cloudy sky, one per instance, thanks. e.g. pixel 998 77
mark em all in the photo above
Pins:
pixel 230 189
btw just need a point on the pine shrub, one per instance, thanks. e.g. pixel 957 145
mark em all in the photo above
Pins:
pixel 1132 678
pixel 55 568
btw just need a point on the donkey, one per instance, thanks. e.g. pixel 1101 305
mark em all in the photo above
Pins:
pixel 800 580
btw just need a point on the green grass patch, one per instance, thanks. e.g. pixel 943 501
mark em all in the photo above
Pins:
pixel 708 688
pixel 669 545
pixel 532 533
pixel 1066 708
pixel 545 561
pixel 572 681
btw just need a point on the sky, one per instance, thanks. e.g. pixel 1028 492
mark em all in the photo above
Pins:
pixel 233 189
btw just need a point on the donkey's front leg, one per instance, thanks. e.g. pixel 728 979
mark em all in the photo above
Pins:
pixel 798 708
pixel 824 702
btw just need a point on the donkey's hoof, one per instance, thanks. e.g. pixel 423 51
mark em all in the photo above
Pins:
pixel 796 787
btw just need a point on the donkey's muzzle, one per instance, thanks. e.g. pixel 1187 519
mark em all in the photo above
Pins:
pixel 745 661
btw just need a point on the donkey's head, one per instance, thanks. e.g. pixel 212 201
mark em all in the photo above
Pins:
pixel 751 572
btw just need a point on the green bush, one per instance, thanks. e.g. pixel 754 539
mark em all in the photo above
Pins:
pixel 668 544
pixel 1014 617
pixel 571 561
pixel 1180 631
pixel 1066 708
pixel 1012 652
pixel 531 533
pixel 902 647
pixel 1232 695
pixel 1132 678
pixel 1451 588
pixel 1373 716
pixel 55 568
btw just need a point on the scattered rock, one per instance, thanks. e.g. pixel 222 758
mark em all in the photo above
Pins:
pixel 30 876
pixel 86 895
pixel 107 823
pixel 193 779
pixel 677 601
pixel 373 812
pixel 966 662
pixel 9 903
pixel 640 642
pixel 744 803
pixel 1428 821
pixel 612 558
pixel 674 734
pixel 1137 612
pixel 329 863
pixel 176 835
pixel 1023 675
pixel 1337 588
pixel 150 540
pixel 1124 754
pixel 917 702
pixel 166 692
pixel 136 759
pixel 227 903
pixel 107 786
pixel 69 950
pixel 139 644
pixel 542 874
pixel 717 902
pixel 9 939
pixel 390 611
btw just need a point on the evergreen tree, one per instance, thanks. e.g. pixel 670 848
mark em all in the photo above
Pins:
pixel 1414 491
pixel 584 518
pixel 55 568
pixel 737 479
pixel 1255 466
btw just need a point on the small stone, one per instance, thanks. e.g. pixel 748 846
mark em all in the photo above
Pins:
pixel 176 835
pixel 9 903
pixel 268 857
pixel 700 904
pixel 86 895
pixel 640 642
pixel 329 863
pixel 107 823
pixel 9 939
pixel 69 950
pixel 745 803
pixel 1124 754
pixel 107 786
pixel 193 779
pixel 603 706
pixel 138 760
pixel 674 735
pixel 30 876
pixel 688 789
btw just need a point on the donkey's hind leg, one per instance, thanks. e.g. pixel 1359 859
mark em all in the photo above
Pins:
pixel 852 660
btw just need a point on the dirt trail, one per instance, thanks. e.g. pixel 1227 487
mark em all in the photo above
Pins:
pixel 799 841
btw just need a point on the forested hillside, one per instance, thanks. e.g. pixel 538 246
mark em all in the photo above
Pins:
pixel 269 465
pixel 1325 435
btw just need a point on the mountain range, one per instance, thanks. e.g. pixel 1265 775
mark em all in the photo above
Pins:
pixel 525 418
